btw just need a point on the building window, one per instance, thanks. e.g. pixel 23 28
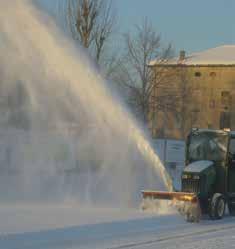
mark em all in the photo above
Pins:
pixel 226 98
pixel 225 120
pixel 198 74
pixel 212 104
pixel 213 74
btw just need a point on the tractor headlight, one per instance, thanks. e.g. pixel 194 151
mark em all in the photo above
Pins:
pixel 196 177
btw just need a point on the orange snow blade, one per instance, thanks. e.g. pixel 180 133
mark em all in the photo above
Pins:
pixel 162 195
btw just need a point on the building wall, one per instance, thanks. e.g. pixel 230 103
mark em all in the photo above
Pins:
pixel 202 96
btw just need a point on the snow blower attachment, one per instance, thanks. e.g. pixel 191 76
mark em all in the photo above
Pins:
pixel 173 196
pixel 207 181
pixel 186 203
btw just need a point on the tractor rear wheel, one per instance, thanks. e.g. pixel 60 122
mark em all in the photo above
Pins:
pixel 231 209
pixel 217 206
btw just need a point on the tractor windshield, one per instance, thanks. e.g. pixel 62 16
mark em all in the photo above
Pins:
pixel 207 146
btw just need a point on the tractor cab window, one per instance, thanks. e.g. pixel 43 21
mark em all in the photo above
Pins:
pixel 232 146
pixel 207 146
pixel 232 150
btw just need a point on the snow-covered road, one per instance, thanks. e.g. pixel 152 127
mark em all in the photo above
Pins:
pixel 73 227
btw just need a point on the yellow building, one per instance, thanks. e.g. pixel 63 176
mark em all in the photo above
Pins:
pixel 196 90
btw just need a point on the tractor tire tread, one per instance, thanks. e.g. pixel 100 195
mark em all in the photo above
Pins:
pixel 213 207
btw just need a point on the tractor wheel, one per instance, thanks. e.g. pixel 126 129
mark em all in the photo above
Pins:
pixel 231 209
pixel 217 206
pixel 193 212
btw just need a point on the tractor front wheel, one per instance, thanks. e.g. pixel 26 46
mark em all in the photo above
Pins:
pixel 217 206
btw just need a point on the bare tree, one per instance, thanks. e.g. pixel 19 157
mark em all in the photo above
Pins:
pixel 91 22
pixel 142 46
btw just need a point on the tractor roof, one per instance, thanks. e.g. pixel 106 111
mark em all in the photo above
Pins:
pixel 210 131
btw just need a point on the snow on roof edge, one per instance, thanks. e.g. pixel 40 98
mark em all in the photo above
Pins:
pixel 222 55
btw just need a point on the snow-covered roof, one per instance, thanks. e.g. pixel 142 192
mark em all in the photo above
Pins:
pixel 222 55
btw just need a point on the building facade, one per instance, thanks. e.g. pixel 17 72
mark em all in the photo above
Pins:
pixel 199 92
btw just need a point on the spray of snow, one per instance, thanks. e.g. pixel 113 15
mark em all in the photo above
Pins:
pixel 64 134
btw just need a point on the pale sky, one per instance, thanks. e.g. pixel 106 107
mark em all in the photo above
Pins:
pixel 192 25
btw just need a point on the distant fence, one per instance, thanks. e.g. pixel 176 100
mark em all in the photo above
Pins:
pixel 172 155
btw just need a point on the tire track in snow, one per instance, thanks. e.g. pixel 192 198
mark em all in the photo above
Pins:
pixel 173 237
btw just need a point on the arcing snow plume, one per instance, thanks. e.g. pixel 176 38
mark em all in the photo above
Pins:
pixel 62 134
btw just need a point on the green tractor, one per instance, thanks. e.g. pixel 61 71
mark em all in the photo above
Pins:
pixel 208 179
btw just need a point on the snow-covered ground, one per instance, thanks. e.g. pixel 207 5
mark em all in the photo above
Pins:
pixel 72 227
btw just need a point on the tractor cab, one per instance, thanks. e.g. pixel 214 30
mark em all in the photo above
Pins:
pixel 231 174
pixel 210 169
pixel 206 159
pixel 208 145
